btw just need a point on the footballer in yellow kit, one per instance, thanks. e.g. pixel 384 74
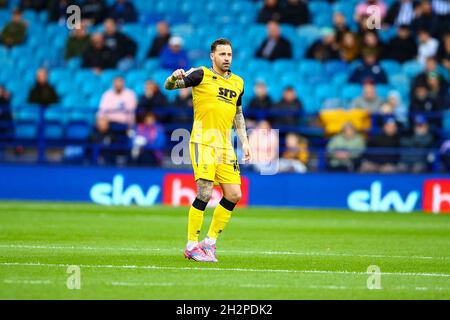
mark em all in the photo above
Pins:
pixel 217 102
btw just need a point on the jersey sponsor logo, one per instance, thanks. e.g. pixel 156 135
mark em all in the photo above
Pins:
pixel 226 95
pixel 180 190
pixel 436 196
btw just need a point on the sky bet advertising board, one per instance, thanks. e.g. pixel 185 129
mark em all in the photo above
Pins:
pixel 148 187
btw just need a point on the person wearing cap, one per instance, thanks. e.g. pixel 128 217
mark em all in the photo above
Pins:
pixel 325 48
pixel 382 155
pixel 416 147
pixel 173 56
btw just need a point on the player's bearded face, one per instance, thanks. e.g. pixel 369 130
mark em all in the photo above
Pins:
pixel 222 57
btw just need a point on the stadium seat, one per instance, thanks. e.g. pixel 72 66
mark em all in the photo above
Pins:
pixel 25 130
pixel 78 130
pixel 351 91
pixel 53 130
pixel 412 68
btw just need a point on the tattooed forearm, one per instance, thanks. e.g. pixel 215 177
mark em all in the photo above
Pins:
pixel 204 189
pixel 239 124
pixel 171 84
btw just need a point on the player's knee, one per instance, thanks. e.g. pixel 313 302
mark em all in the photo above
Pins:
pixel 234 196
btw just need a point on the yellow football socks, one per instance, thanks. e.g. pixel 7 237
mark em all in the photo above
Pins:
pixel 195 223
pixel 222 215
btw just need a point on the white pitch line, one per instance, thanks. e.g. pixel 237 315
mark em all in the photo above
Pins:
pixel 244 252
pixel 9 281
pixel 152 267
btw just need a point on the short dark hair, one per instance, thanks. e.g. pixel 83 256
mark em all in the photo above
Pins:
pixel 221 41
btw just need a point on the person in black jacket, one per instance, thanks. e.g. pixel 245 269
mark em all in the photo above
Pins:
pixel 271 11
pixel 97 56
pixel 94 10
pixel 6 120
pixel 402 47
pixel 161 39
pixel 295 12
pixel 152 98
pixel 123 11
pixel 122 46
pixel 42 93
pixel 275 46
pixel 401 12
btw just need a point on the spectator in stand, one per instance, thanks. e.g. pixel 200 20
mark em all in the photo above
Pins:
pixel 401 13
pixel 42 92
pixel 369 100
pixel 442 10
pixel 344 150
pixel 3 3
pixel 444 153
pixel 296 155
pixel 383 154
pixel 428 46
pixel 439 93
pixel 402 47
pixel 275 46
pixel 123 47
pixel 340 26
pixel 271 11
pixel 295 12
pixel 264 142
pixel 423 103
pixel 108 141
pixel 118 105
pixel 416 148
pixel 183 101
pixel 6 119
pixel 395 107
pixel 349 48
pixel 97 56
pixel 261 99
pixel 325 48
pixel 174 56
pixel 369 69
pixel 57 10
pixel 77 43
pixel 426 19
pixel 421 79
pixel 123 11
pixel 361 9
pixel 94 11
pixel 15 31
pixel 148 141
pixel 443 55
pixel 160 41
pixel 151 99
pixel 288 109
pixel 36 5
pixel 371 43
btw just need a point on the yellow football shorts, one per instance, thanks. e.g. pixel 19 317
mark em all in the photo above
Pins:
pixel 215 164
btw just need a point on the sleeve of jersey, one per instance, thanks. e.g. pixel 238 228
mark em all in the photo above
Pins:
pixel 193 77
pixel 239 100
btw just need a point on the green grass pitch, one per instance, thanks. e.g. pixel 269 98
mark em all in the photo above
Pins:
pixel 265 253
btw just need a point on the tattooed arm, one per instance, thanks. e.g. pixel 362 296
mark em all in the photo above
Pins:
pixel 181 79
pixel 241 131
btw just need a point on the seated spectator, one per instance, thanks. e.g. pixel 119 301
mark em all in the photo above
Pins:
pixel 401 13
pixel 294 12
pixel 275 46
pixel 123 11
pixel 394 107
pixel 340 26
pixel 261 99
pixel 426 19
pixel 97 56
pixel 428 46
pixel 42 92
pixel 3 3
pixel 183 101
pixel 369 100
pixel 344 150
pixel 371 43
pixel 151 99
pixel 325 48
pixel 296 155
pixel 443 54
pixel 369 69
pixel 444 153
pixel 123 47
pixel 14 32
pixel 288 109
pixel 264 143
pixel 108 141
pixel 438 92
pixel 6 119
pixel 160 41
pixel 57 10
pixel 271 11
pixel 77 43
pixel 94 11
pixel 421 79
pixel 349 48
pixel 361 9
pixel 118 104
pixel 402 47
pixel 423 103
pixel 416 148
pixel 442 10
pixel 148 141
pixel 383 154
pixel 36 5
pixel 174 56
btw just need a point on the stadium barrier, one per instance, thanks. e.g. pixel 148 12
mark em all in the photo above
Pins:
pixel 147 187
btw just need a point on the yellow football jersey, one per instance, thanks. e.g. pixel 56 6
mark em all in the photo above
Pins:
pixel 215 99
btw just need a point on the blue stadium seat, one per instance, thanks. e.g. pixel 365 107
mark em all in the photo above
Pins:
pixel 412 68
pixel 56 114
pixel 25 130
pixel 335 66
pixel 391 66
pixel 325 91
pixel 351 91
pixel 53 130
pixel 78 130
